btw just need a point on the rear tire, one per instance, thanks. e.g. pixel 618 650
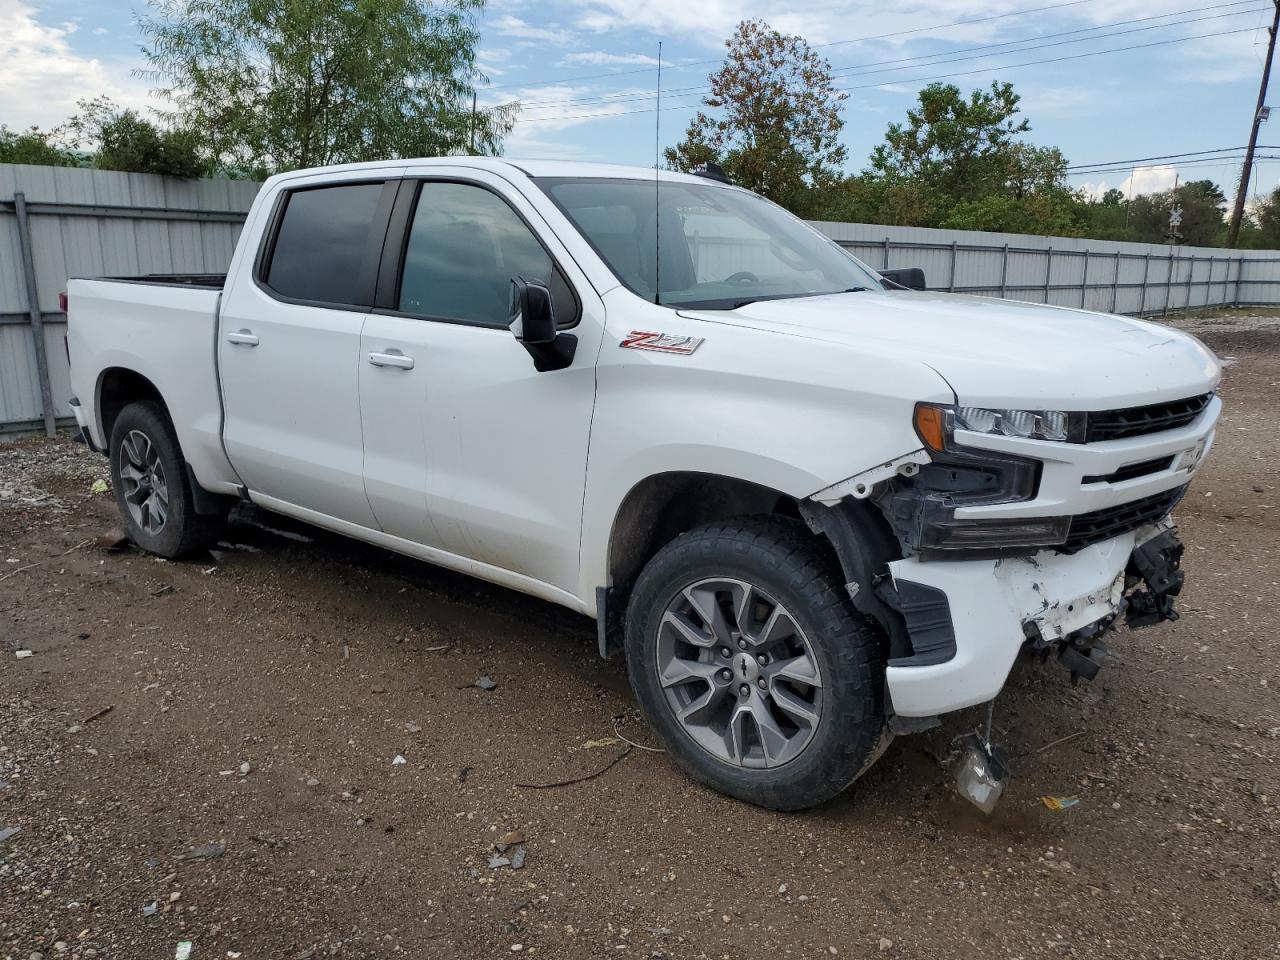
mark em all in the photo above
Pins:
pixel 152 490
pixel 754 668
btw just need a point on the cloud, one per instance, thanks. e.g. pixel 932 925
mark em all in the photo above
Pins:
pixel 1154 179
pixel 600 58
pixel 510 26
pixel 42 76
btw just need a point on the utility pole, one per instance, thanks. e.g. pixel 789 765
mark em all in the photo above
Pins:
pixel 1233 232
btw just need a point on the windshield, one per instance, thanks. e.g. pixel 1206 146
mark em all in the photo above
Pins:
pixel 718 248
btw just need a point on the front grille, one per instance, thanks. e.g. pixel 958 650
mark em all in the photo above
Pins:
pixel 1138 421
pixel 1090 528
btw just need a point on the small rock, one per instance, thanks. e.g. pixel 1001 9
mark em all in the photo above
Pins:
pixel 149 909
pixel 885 944
pixel 517 947
pixel 413 727
pixel 197 853
pixel 509 840
pixel 245 768
pixel 175 896
pixel 485 683
pixel 397 760
pixel 312 782
pixel 782 888
pixel 8 832
pixel 498 861
pixel 517 858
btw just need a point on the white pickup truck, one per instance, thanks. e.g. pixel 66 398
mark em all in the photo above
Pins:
pixel 814 508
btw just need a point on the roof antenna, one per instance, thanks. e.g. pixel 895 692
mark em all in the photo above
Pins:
pixel 657 153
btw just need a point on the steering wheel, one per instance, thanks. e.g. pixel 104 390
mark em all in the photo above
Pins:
pixel 742 276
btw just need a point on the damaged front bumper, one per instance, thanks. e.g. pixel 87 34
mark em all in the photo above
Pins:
pixel 968 619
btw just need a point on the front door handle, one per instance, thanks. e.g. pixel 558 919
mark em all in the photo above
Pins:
pixel 244 337
pixel 391 359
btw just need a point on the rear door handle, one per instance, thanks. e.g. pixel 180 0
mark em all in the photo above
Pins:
pixel 245 337
pixel 394 359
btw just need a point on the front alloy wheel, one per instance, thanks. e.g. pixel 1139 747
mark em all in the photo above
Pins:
pixel 738 673
pixel 752 665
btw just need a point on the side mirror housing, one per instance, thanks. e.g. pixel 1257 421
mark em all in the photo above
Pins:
pixel 909 278
pixel 533 324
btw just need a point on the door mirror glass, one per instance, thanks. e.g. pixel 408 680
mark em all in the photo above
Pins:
pixel 533 316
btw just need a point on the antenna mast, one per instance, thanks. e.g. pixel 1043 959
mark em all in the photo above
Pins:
pixel 657 206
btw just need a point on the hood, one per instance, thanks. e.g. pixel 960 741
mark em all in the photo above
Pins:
pixel 1001 353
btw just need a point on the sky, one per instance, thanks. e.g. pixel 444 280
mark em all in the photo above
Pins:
pixel 585 72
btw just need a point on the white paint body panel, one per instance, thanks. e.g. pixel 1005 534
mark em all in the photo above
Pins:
pixel 474 461
pixel 990 600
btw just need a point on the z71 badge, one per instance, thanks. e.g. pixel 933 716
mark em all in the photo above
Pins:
pixel 661 342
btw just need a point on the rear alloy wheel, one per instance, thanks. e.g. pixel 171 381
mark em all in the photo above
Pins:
pixel 149 477
pixel 142 481
pixel 748 658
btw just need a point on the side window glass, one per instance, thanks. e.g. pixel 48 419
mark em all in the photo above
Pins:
pixel 322 243
pixel 465 246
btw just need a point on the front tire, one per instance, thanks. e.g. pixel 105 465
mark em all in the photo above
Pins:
pixel 748 658
pixel 153 493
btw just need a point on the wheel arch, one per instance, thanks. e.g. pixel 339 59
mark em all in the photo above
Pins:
pixel 655 511
pixel 118 387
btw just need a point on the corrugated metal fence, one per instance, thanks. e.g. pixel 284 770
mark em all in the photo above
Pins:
pixel 57 223
pixel 1132 278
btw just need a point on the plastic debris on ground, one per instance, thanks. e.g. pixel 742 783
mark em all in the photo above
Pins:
pixel 183 952
pixel 8 832
pixel 1059 803
pixel 23 654
pixel 99 486
pixel 398 760
pixel 149 909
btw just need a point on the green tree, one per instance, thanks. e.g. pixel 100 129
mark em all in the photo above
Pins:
pixel 776 125
pixel 35 146
pixel 124 140
pixel 960 162
pixel 1106 218
pixel 280 84
pixel 1266 218
pixel 1202 203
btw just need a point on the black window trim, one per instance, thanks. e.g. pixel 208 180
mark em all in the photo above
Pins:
pixel 371 261
pixel 391 271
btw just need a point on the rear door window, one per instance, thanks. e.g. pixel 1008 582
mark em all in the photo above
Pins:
pixel 323 244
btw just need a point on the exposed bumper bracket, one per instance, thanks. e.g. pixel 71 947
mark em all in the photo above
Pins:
pixel 1157 562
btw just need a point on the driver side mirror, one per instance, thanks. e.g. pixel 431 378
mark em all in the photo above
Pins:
pixel 533 324
pixel 904 278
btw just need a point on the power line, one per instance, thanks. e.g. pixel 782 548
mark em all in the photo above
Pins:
pixel 833 43
pixel 927 79
pixel 907 62
pixel 1166 156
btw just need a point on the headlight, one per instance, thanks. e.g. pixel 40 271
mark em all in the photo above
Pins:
pixel 936 424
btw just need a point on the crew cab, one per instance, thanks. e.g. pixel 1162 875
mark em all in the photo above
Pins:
pixel 814 509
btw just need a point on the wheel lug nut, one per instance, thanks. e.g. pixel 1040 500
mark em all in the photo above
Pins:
pixel 725 651
pixel 761 684
pixel 762 659
pixel 742 644
pixel 726 675
pixel 744 690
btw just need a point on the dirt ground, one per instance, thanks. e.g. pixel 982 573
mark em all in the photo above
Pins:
pixel 313 663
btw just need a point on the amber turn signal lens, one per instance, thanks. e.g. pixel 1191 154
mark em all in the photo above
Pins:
pixel 931 425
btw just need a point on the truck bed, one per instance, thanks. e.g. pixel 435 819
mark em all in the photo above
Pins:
pixel 164 328
pixel 205 281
